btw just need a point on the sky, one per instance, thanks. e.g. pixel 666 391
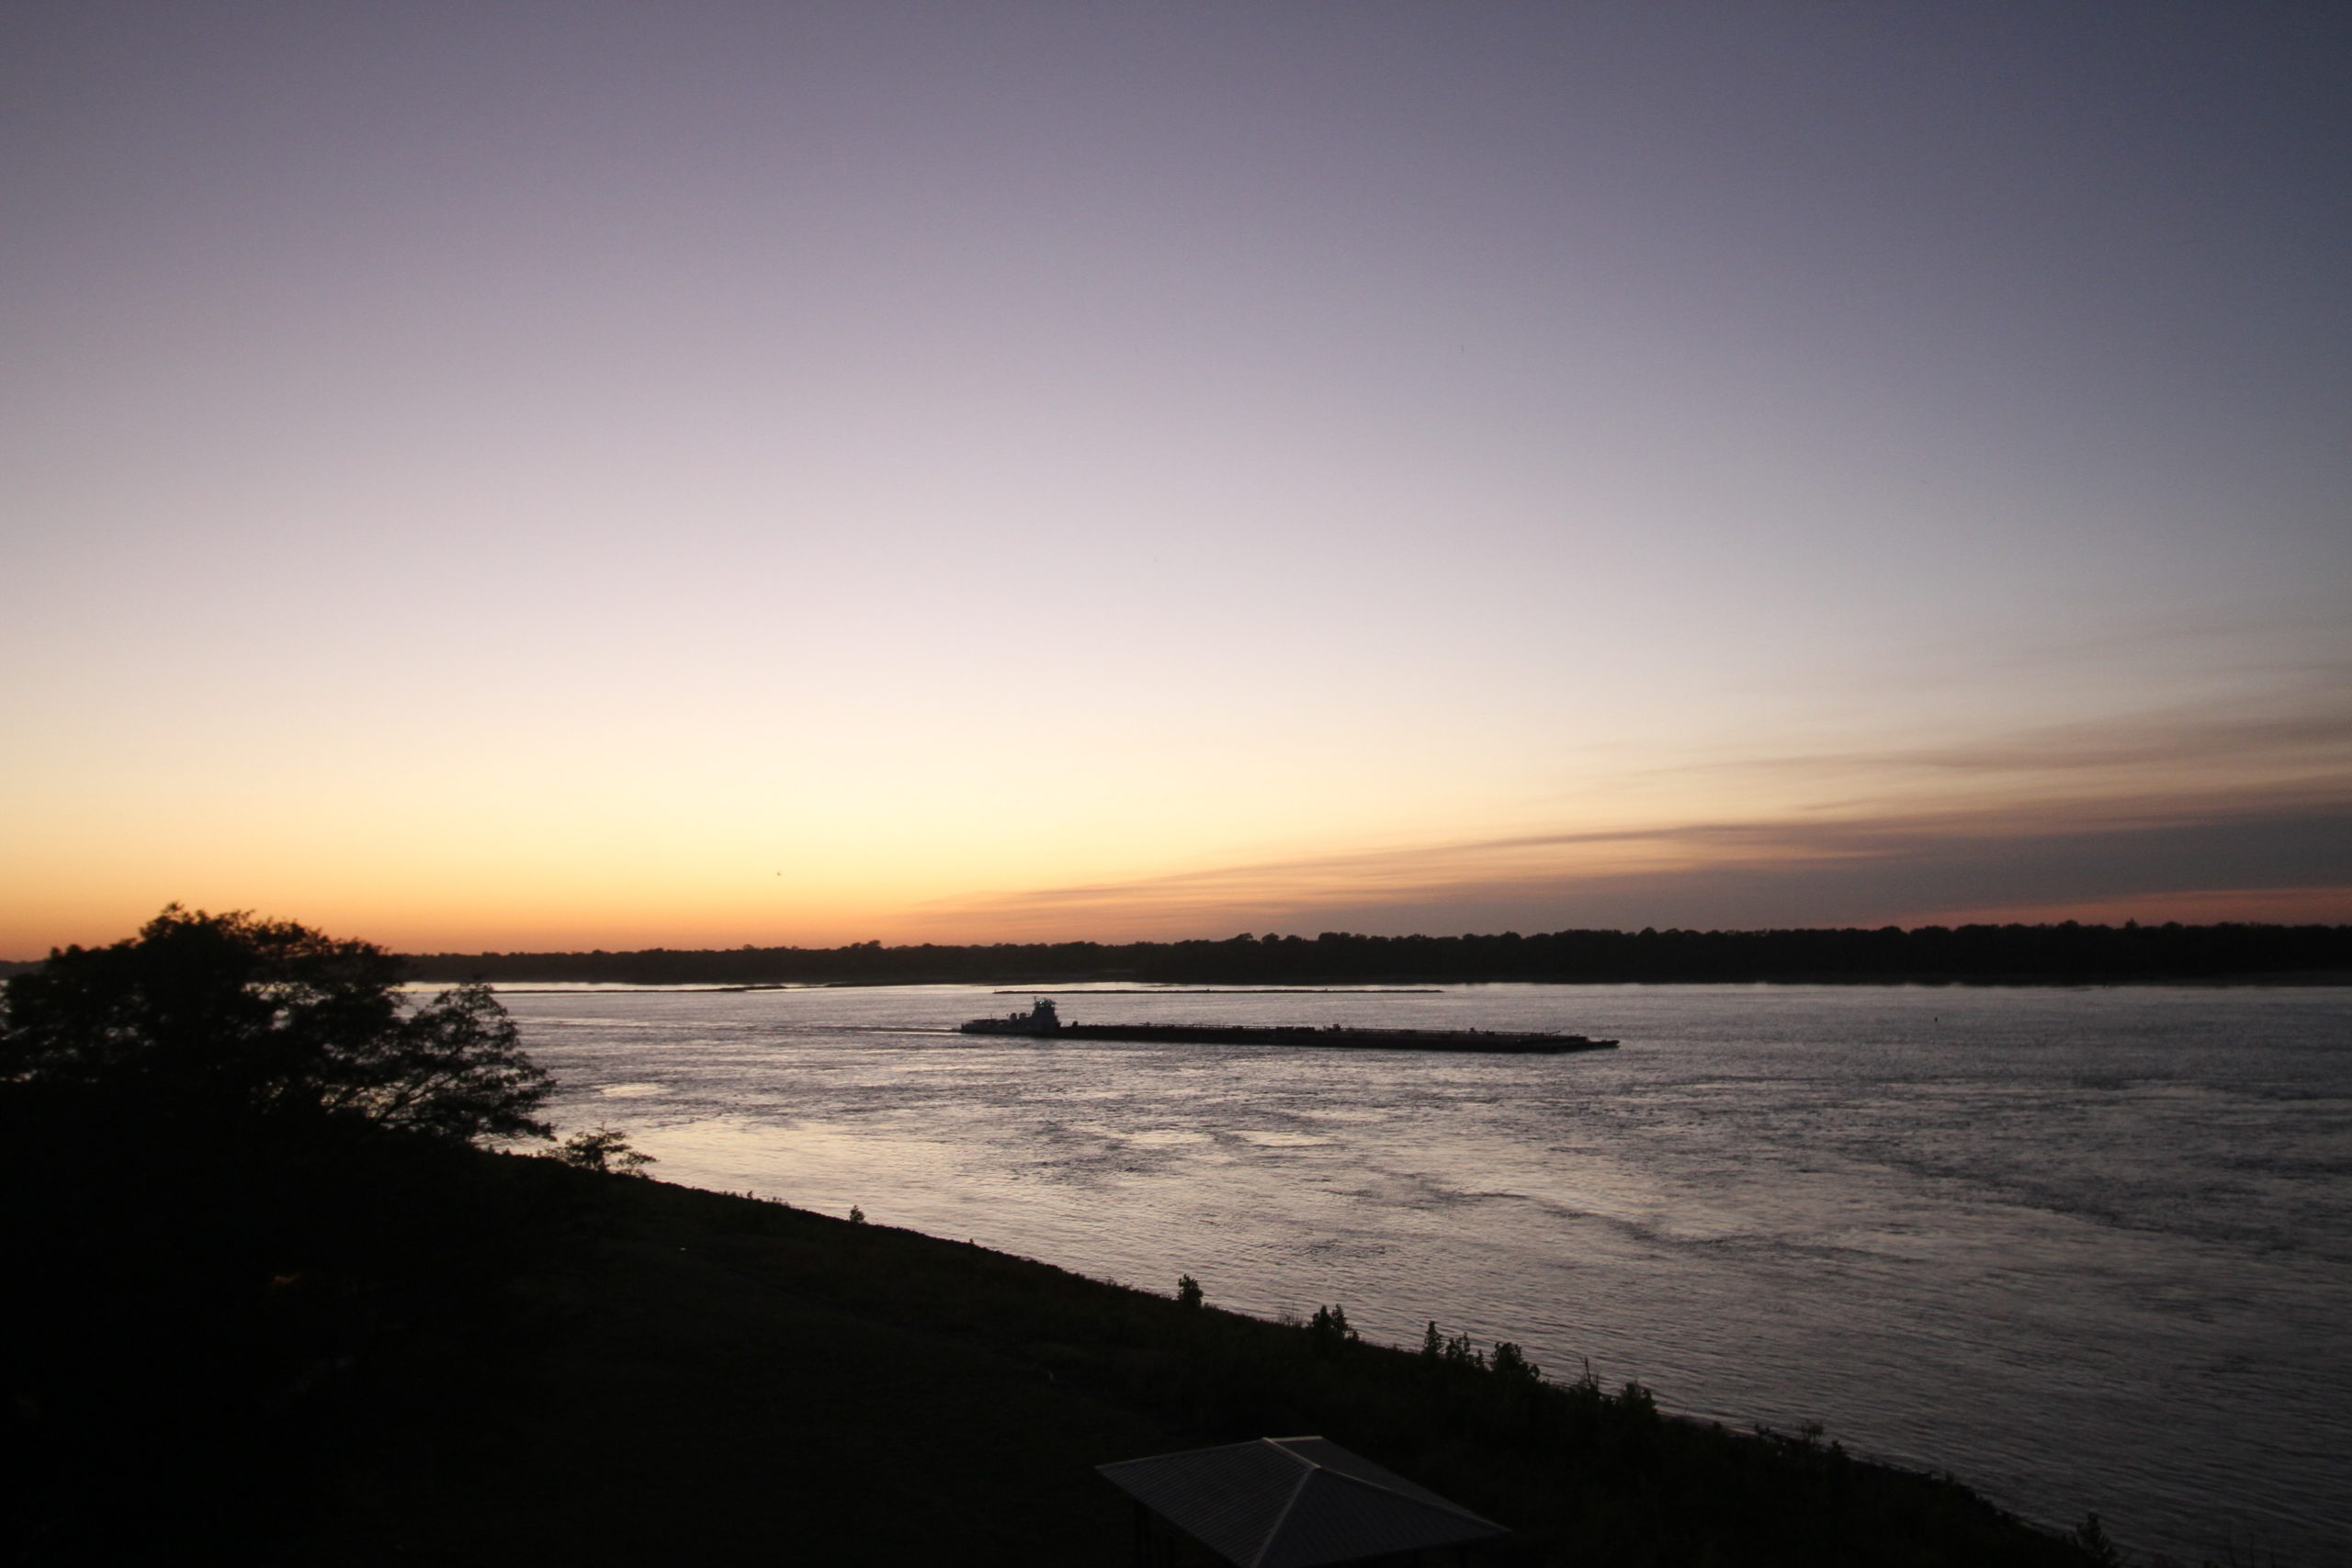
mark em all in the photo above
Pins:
pixel 516 476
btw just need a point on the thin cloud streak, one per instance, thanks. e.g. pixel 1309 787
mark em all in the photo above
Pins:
pixel 2326 904
pixel 1855 866
pixel 2319 738
pixel 2305 720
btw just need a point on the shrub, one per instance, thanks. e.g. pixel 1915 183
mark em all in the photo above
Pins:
pixel 601 1148
pixel 1328 1331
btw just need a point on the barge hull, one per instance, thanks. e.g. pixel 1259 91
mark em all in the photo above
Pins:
pixel 1335 1038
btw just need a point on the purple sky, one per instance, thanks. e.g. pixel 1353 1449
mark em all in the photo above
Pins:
pixel 514 475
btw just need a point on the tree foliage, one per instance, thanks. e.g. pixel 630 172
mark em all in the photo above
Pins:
pixel 233 1018
pixel 601 1148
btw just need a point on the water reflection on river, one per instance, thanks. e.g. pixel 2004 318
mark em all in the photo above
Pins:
pixel 2086 1248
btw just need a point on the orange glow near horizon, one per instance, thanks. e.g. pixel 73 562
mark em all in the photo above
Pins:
pixel 602 867
pixel 437 926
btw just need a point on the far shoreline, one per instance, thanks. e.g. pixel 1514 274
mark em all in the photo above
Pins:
pixel 2013 955
pixel 2065 955
pixel 2327 980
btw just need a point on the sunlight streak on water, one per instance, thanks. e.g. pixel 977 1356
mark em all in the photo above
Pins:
pixel 2087 1249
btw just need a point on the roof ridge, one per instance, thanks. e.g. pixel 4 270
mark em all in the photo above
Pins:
pixel 1426 1499
pixel 1298 1489
pixel 1431 1500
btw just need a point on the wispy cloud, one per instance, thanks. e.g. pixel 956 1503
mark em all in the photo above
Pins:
pixel 2188 808
pixel 2301 722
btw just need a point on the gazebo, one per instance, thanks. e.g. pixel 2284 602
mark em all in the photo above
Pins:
pixel 1289 1503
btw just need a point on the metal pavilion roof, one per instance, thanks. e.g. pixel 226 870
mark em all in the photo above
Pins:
pixel 1293 1503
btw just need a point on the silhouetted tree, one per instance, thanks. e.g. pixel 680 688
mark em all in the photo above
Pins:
pixel 230 1017
pixel 603 1148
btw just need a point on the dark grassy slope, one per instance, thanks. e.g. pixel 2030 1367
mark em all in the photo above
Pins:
pixel 726 1381
pixel 712 1398
pixel 2064 954
pixel 198 1321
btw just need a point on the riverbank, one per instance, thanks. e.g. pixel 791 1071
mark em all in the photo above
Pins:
pixel 725 1380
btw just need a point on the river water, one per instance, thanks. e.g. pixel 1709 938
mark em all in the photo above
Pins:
pixel 2087 1249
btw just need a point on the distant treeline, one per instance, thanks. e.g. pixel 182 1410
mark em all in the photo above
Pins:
pixel 2044 954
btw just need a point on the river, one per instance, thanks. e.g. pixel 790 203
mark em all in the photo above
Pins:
pixel 2089 1249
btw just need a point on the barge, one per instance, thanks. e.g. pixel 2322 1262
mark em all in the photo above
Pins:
pixel 1043 1020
